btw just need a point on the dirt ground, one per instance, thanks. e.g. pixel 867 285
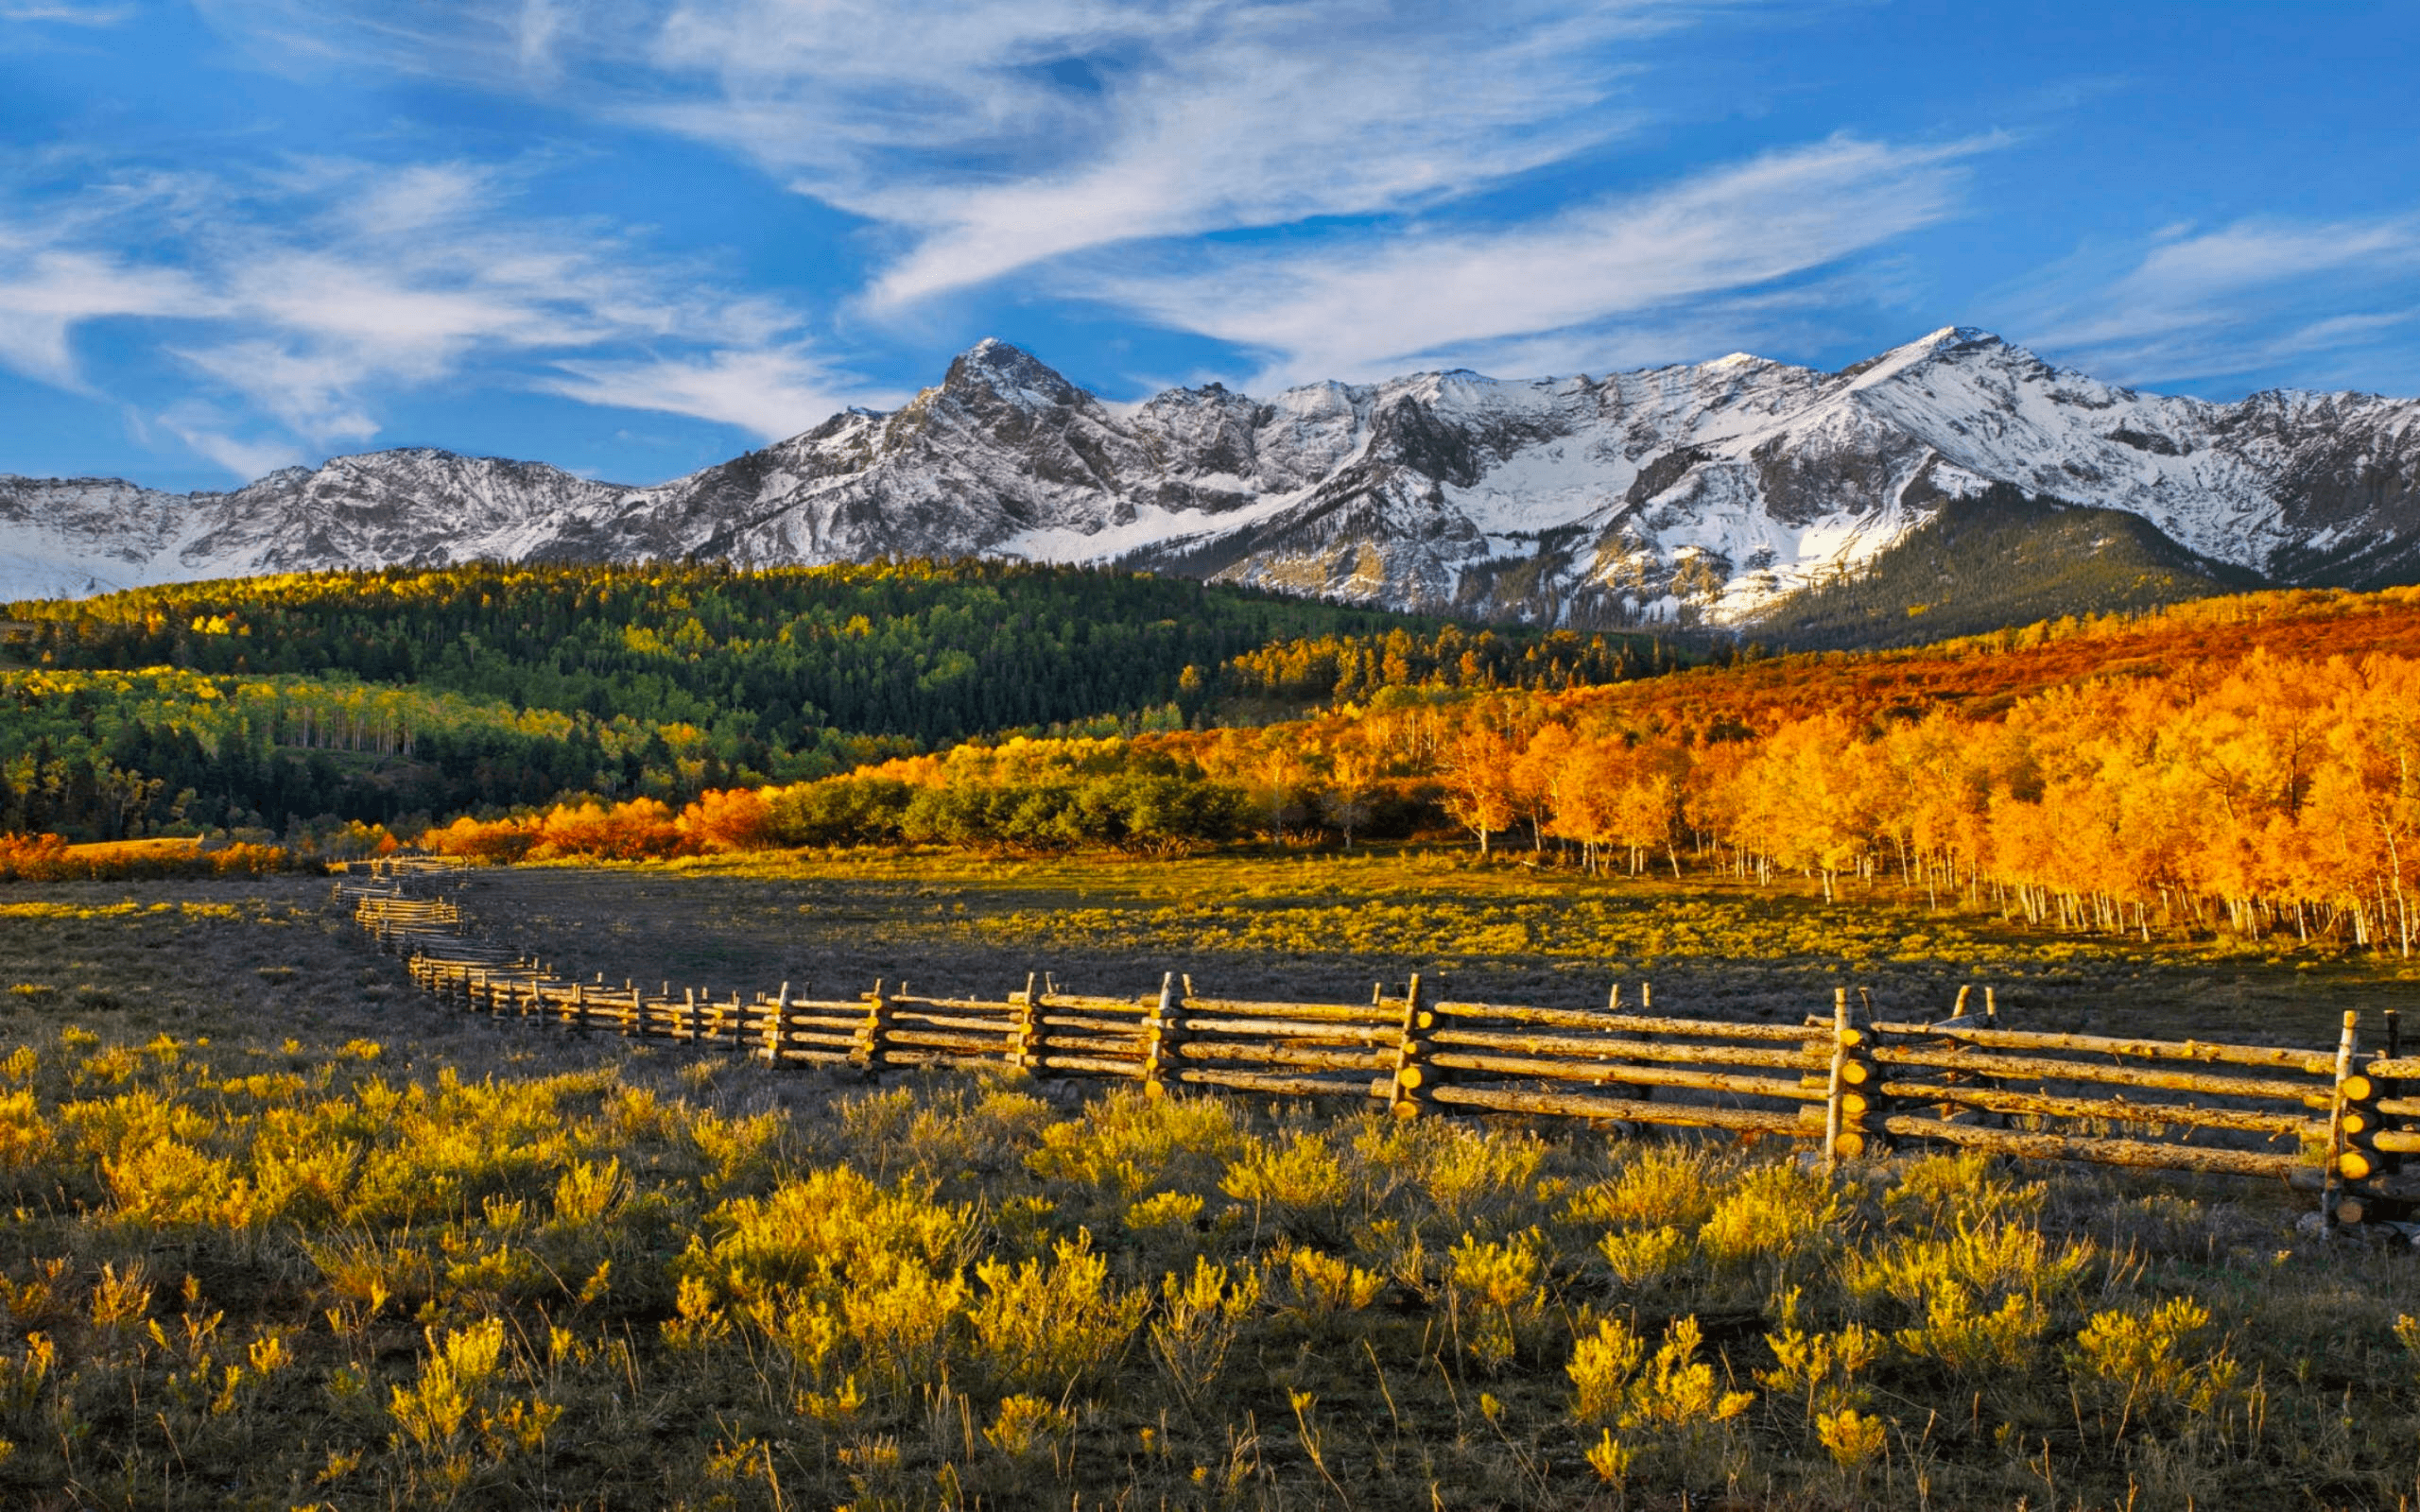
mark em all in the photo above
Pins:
pixel 962 928
pixel 272 956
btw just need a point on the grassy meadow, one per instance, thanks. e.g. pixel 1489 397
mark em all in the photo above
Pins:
pixel 283 1233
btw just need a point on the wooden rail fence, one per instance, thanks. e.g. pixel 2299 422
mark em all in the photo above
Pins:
pixel 2320 1119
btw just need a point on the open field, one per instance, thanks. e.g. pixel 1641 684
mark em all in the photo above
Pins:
pixel 289 1233
pixel 1325 925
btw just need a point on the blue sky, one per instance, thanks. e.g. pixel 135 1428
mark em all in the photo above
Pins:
pixel 632 238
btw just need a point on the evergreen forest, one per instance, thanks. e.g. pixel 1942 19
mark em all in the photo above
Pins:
pixel 409 694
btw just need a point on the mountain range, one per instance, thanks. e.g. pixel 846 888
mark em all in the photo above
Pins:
pixel 1943 485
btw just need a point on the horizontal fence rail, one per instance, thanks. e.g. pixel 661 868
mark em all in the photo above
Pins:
pixel 1854 1085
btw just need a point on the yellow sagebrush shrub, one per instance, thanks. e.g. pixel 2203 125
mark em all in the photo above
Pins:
pixel 1297 1174
pixel 23 1374
pixel 1973 1340
pixel 824 1226
pixel 733 1146
pixel 1645 1257
pixel 1325 1287
pixel 1615 1383
pixel 1659 1186
pixel 1772 1210
pixel 458 1396
pixel 173 1184
pixel 120 1297
pixel 1942 1193
pixel 902 1318
pixel 1498 1283
pixel 1126 1143
pixel 1855 1438
pixel 109 1127
pixel 1026 1427
pixel 1463 1169
pixel 1820 1368
pixel 306 1182
pixel 1056 1323
pixel 2145 1359
pixel 24 1135
pixel 1165 1210
pixel 1199 1319
pixel 1988 1258
pixel 587 1192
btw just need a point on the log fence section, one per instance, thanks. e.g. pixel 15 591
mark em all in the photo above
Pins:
pixel 2322 1120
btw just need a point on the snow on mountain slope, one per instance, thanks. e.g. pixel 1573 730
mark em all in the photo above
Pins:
pixel 1697 492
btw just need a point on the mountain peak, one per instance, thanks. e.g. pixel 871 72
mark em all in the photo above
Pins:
pixel 1961 336
pixel 1445 491
pixel 995 367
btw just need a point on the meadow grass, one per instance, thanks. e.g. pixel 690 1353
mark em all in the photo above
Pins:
pixel 1326 924
pixel 283 1233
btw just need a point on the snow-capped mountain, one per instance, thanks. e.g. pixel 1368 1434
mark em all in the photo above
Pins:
pixel 1703 492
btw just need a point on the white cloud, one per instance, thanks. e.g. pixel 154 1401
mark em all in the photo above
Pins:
pixel 62 13
pixel 315 292
pixel 2237 299
pixel 209 431
pixel 47 290
pixel 992 135
pixel 1123 150
pixel 771 393
pixel 1370 305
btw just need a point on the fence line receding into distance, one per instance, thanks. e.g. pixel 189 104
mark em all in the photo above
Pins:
pixel 2317 1118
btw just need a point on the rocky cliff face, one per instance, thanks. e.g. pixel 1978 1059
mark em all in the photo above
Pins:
pixel 1701 494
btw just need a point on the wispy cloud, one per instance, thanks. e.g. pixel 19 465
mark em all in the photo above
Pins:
pixel 313 293
pixel 1138 154
pixel 60 12
pixel 1373 305
pixel 2236 299
pixel 766 391
pixel 47 290
pixel 992 135
pixel 216 434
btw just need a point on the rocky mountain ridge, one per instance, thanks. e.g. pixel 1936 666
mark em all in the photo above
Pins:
pixel 1703 493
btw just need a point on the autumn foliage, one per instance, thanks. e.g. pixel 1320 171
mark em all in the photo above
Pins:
pixel 2250 764
pixel 48 858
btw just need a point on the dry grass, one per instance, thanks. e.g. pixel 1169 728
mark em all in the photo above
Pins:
pixel 1326 926
pixel 285 1234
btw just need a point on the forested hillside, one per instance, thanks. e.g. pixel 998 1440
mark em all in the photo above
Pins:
pixel 375 696
pixel 2249 765
pixel 933 651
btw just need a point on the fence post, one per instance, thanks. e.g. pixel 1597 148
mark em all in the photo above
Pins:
pixel 1642 1092
pixel 1025 1051
pixel 777 1021
pixel 1832 1086
pixel 2363 1121
pixel 1409 1091
pixel 867 1052
pixel 1163 1032
pixel 2332 1181
pixel 1863 1107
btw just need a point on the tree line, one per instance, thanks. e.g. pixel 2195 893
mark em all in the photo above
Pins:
pixel 2271 791
pixel 769 662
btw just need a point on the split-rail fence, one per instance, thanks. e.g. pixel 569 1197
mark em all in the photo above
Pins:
pixel 2322 1119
